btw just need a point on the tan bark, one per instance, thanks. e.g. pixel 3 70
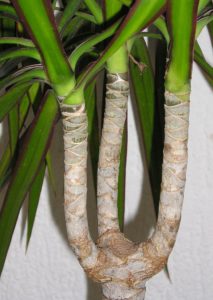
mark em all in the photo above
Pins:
pixel 121 266
pixel 75 183
pixel 117 91
pixel 174 172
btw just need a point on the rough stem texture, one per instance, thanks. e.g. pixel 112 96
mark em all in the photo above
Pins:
pixel 120 265
pixel 75 183
pixel 117 91
pixel 173 174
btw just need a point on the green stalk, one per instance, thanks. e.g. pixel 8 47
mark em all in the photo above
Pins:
pixel 118 62
pixel 141 14
pixel 42 29
pixel 181 16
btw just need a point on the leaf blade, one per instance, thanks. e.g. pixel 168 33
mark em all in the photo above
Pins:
pixel 33 201
pixel 11 97
pixel 24 173
pixel 144 95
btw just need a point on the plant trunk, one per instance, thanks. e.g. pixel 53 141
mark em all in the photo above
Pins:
pixel 120 265
pixel 118 292
pixel 109 158
pixel 113 291
pixel 75 183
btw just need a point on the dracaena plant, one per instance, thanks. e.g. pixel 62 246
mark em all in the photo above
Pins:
pixel 50 59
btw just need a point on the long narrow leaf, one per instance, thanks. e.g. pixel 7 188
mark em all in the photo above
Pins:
pixel 34 150
pixel 51 173
pixel 95 9
pixel 11 97
pixel 69 12
pixel 33 200
pixel 201 23
pixel 20 52
pixel 17 41
pixel 13 124
pixel 6 10
pixel 122 180
pixel 144 94
pixel 93 132
pixel 88 44
pixel 139 16
pixel 203 64
pixel 43 31
pixel 7 156
pixel 23 76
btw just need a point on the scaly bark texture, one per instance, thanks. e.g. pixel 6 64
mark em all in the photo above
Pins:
pixel 174 172
pixel 75 183
pixel 117 91
pixel 121 266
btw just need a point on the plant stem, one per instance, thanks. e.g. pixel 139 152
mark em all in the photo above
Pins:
pixel 182 15
pixel 118 62
pixel 75 183
pixel 109 156
pixel 114 291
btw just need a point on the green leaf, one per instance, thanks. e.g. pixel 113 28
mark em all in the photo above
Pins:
pixel 33 200
pixel 7 11
pixel 11 97
pixel 43 31
pixel 69 12
pixel 23 109
pixel 93 131
pixel 24 75
pixel 90 43
pixel 72 27
pixel 7 157
pixel 144 95
pixel 13 124
pixel 34 95
pixel 86 16
pixel 4 165
pixel 210 29
pixel 122 180
pixel 161 26
pixel 8 27
pixel 31 156
pixel 95 9
pixel 17 41
pixel 203 4
pixel 139 16
pixel 126 2
pixel 110 11
pixel 203 64
pixel 20 52
pixel 182 22
pixel 50 168
pixel 203 22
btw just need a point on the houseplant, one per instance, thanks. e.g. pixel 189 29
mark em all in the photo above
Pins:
pixel 68 85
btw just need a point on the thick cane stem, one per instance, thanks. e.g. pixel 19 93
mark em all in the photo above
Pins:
pixel 75 183
pixel 120 291
pixel 109 157
pixel 174 174
pixel 121 266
